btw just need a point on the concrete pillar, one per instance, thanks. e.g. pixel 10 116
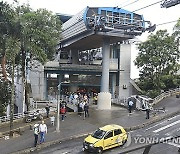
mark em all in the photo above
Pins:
pixel 125 69
pixel 104 97
pixel 105 66
pixel 113 85
pixel 45 86
pixel 75 57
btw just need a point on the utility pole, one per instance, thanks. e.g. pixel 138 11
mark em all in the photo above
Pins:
pixel 58 108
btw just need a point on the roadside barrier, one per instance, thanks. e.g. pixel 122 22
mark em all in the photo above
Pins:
pixel 156 100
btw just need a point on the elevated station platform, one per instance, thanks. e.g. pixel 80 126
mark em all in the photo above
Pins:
pixel 87 29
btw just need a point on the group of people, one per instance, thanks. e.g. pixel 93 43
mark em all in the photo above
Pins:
pixel 83 108
pixel 131 105
pixel 39 130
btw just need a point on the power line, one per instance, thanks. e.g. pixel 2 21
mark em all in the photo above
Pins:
pixel 130 3
pixel 166 23
pixel 124 2
pixel 147 6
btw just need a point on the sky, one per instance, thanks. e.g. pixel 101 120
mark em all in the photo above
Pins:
pixel 154 13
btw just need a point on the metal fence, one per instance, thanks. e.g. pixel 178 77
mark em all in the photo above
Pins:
pixel 123 102
pixel 19 115
pixel 166 94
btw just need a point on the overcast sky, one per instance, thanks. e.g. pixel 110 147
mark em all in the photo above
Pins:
pixel 154 13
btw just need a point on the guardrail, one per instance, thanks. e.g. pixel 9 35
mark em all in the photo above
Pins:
pixel 165 95
pixel 123 102
pixel 19 115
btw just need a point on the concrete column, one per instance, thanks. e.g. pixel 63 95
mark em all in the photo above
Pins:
pixel 75 57
pixel 125 69
pixel 104 97
pixel 45 86
pixel 105 66
pixel 113 85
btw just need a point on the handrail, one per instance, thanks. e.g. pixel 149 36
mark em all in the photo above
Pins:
pixel 19 115
pixel 156 100
pixel 165 95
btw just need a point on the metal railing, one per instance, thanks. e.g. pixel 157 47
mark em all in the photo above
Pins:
pixel 19 115
pixel 165 95
pixel 156 100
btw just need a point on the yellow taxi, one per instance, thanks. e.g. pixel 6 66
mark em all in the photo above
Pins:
pixel 104 138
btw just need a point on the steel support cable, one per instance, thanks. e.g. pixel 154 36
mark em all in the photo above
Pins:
pixel 147 6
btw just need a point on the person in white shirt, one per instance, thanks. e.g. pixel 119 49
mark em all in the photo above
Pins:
pixel 43 131
pixel 130 105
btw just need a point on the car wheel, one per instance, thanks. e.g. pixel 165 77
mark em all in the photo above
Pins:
pixel 99 150
pixel 124 141
pixel 28 120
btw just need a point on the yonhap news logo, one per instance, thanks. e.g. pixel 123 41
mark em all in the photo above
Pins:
pixel 151 140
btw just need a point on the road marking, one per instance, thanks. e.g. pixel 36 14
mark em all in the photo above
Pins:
pixel 173 144
pixel 155 125
pixel 162 122
pixel 167 126
pixel 173 117
pixel 173 131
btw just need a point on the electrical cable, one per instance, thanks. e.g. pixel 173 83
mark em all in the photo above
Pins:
pixel 147 6
pixel 166 23
pixel 130 3
pixel 124 2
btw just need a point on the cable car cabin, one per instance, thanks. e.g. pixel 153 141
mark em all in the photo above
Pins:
pixel 141 102
pixel 104 19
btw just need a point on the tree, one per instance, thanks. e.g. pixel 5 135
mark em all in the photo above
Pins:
pixel 158 57
pixel 177 31
pixel 9 49
pixel 26 32
pixel 5 88
pixel 39 35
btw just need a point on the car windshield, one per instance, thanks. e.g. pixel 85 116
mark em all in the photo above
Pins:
pixel 98 134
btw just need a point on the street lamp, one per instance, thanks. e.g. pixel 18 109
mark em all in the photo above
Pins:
pixel 58 108
pixel 66 77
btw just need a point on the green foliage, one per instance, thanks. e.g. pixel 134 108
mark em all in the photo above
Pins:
pixel 5 92
pixel 26 32
pixel 39 32
pixel 158 63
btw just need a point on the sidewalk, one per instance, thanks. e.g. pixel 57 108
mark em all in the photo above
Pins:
pixel 74 126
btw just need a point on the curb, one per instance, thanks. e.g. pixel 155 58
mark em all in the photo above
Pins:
pixel 50 143
pixel 151 121
pixel 22 128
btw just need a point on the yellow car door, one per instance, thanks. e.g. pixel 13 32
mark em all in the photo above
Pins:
pixel 118 135
pixel 109 140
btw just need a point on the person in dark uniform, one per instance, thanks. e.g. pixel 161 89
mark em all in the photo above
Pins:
pixel 47 110
pixel 147 111
pixel 36 133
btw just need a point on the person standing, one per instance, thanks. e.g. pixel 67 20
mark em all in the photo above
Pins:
pixel 95 99
pixel 147 111
pixel 43 131
pixel 63 112
pixel 130 105
pixel 86 110
pixel 81 107
pixel 36 133
pixel 47 110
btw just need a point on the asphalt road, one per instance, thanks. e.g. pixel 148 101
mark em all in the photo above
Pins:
pixel 155 132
